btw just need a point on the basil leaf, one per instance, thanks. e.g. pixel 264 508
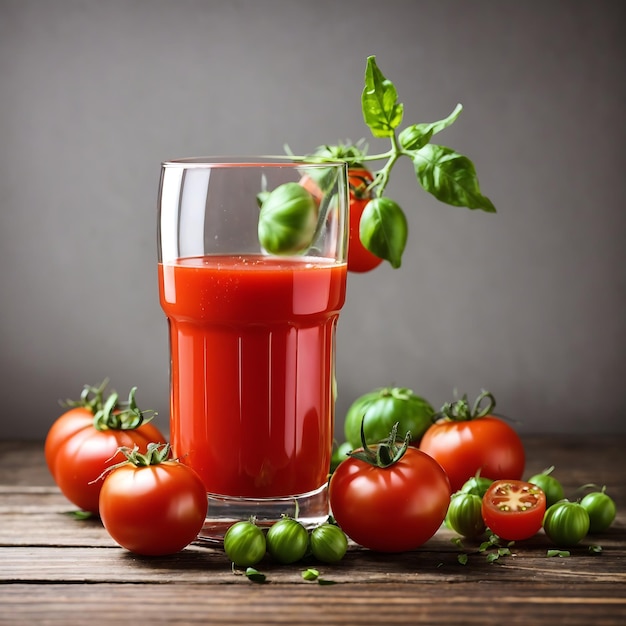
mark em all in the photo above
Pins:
pixel 383 230
pixel 417 136
pixel 450 177
pixel 379 101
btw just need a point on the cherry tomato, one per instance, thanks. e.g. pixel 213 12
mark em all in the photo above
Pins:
pixel 80 449
pixel 566 523
pixel 513 509
pixel 245 544
pixel 287 219
pixel 153 509
pixel 382 408
pixel 601 510
pixel 340 453
pixel 360 259
pixel 467 441
pixel 476 485
pixel 550 485
pixel 384 229
pixel 464 515
pixel 329 543
pixel 80 414
pixel 287 541
pixel 389 506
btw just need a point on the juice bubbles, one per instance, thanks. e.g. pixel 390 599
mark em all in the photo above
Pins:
pixel 252 342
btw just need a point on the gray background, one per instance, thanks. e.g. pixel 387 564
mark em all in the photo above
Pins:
pixel 528 303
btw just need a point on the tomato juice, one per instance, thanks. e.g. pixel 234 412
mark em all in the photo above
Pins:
pixel 252 342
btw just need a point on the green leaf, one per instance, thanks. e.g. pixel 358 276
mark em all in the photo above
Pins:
pixel 450 177
pixel 81 515
pixel 417 136
pixel 254 575
pixel 595 549
pixel 559 553
pixel 310 574
pixel 384 230
pixel 379 101
pixel 462 558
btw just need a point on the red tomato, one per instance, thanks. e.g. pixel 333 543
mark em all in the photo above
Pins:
pixel 74 419
pixel 65 426
pixel 153 509
pixel 468 440
pixel 360 259
pixel 513 509
pixel 78 451
pixel 84 456
pixel 390 509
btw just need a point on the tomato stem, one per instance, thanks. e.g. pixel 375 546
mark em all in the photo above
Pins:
pixel 384 454
pixel 460 410
pixel 90 397
pixel 116 415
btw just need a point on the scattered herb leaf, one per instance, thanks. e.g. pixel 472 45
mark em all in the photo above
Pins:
pixel 310 574
pixel 81 515
pixel 559 553
pixel 254 575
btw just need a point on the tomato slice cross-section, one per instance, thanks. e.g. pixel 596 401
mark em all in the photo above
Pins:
pixel 513 509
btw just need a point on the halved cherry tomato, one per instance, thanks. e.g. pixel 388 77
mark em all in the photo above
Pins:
pixel 360 259
pixel 514 509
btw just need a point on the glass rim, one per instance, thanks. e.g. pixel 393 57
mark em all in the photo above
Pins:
pixel 251 161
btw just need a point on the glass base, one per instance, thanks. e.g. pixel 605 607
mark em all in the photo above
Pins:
pixel 310 509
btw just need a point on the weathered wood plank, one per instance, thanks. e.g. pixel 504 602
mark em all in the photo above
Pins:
pixel 58 570
pixel 246 603
pixel 435 562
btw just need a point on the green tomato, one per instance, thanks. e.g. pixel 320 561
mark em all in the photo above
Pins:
pixel 476 485
pixel 287 541
pixel 381 409
pixel 329 543
pixel 464 515
pixel 601 510
pixel 550 485
pixel 340 454
pixel 383 230
pixel 287 220
pixel 244 544
pixel 566 523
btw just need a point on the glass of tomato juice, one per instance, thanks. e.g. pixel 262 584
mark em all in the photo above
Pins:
pixel 251 334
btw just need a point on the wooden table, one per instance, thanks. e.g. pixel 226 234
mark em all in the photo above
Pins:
pixel 55 569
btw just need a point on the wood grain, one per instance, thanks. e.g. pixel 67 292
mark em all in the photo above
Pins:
pixel 59 570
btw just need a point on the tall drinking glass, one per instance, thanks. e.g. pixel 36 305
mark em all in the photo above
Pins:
pixel 252 335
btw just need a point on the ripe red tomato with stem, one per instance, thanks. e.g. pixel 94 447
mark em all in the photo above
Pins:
pixel 467 440
pixel 514 509
pixel 390 497
pixel 79 414
pixel 360 259
pixel 151 504
pixel 80 447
